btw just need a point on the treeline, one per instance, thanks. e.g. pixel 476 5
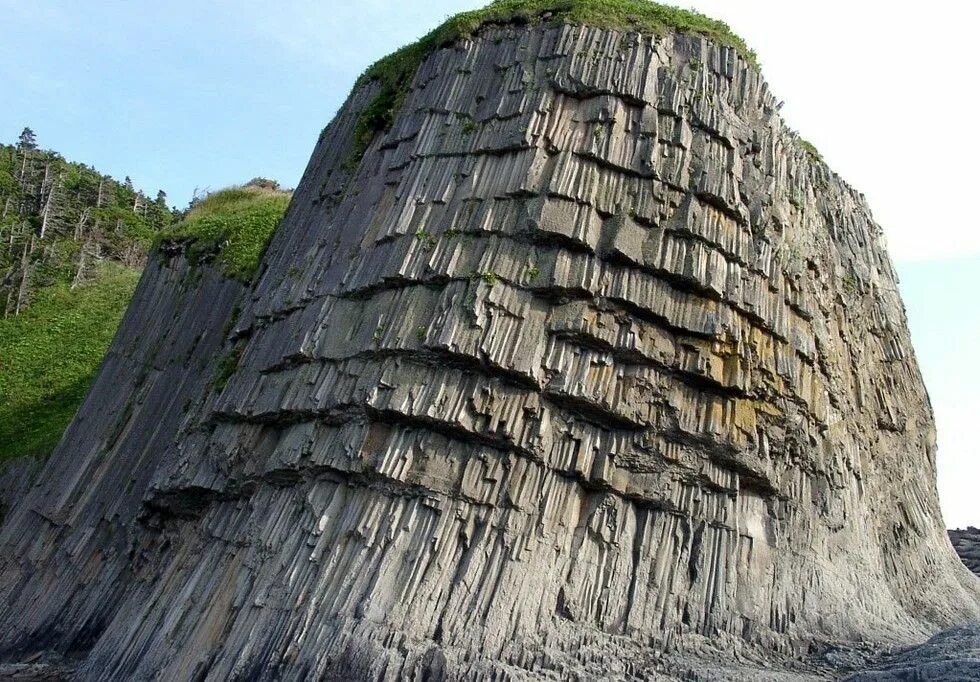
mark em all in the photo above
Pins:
pixel 60 220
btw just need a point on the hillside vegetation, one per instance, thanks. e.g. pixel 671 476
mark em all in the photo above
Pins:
pixel 60 220
pixel 232 227
pixel 50 353
pixel 74 242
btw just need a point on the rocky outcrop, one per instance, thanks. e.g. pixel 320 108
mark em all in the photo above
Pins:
pixel 587 367
pixel 966 542
pixel 16 477
pixel 952 655
pixel 78 539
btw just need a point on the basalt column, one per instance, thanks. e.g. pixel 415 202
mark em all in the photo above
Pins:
pixel 586 357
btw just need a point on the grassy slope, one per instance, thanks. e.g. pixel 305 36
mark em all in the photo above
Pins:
pixel 49 355
pixel 396 71
pixel 233 226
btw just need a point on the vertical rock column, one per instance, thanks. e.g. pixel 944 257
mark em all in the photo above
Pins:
pixel 585 357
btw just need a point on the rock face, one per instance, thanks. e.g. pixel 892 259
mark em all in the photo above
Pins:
pixel 967 545
pixel 586 367
pixel 952 655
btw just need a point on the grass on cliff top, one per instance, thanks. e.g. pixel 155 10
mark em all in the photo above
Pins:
pixel 395 72
pixel 233 226
pixel 49 355
pixel 811 150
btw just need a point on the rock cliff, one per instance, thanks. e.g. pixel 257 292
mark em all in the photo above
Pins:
pixel 583 365
pixel 966 542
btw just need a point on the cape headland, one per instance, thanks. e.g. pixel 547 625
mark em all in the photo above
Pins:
pixel 569 360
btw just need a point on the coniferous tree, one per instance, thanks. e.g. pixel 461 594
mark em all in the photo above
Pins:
pixel 27 141
pixel 60 221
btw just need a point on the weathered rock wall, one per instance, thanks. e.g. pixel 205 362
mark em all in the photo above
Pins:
pixel 586 359
pixel 966 542
pixel 951 656
pixel 78 540
pixel 16 477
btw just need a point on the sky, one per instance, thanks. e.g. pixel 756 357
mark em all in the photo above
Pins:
pixel 185 96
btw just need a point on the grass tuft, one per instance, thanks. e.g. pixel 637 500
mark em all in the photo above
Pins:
pixel 227 366
pixel 233 227
pixel 811 150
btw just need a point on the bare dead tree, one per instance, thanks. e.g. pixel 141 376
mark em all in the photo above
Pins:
pixel 80 271
pixel 80 226
pixel 48 202
pixel 25 275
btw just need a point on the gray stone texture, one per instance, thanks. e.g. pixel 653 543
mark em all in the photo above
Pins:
pixel 966 542
pixel 587 370
pixel 951 656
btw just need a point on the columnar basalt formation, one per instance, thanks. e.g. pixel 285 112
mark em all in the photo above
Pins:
pixel 587 366
pixel 966 542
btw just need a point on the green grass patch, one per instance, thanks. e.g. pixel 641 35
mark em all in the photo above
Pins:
pixel 396 71
pixel 233 227
pixel 811 150
pixel 50 353
pixel 227 366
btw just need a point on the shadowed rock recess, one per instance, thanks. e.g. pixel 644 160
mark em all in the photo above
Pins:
pixel 586 367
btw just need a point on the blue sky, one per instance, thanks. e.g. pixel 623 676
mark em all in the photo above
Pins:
pixel 941 299
pixel 184 95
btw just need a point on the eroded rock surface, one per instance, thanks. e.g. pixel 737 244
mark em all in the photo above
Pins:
pixel 586 369
pixel 966 542
pixel 16 477
pixel 951 656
